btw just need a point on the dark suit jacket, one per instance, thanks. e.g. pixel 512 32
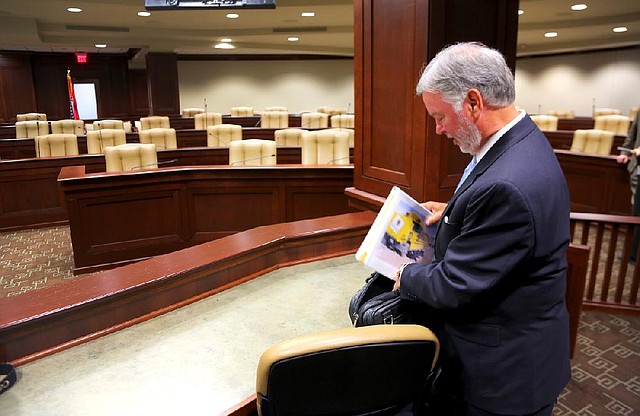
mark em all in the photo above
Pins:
pixel 498 278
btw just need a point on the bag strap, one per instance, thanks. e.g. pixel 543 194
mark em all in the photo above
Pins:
pixel 8 376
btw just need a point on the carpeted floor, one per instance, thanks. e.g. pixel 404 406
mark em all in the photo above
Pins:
pixel 606 365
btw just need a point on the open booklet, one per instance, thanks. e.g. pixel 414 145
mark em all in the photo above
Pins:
pixel 398 235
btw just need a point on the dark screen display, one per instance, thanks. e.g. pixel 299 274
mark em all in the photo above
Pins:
pixel 209 4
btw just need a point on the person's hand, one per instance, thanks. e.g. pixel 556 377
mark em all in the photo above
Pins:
pixel 622 159
pixel 636 151
pixel 396 285
pixel 437 208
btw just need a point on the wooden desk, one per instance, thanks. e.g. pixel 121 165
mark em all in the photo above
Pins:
pixel 576 123
pixel 117 218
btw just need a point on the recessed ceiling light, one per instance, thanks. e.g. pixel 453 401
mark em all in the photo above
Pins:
pixel 620 29
pixel 520 12
pixel 74 9
pixel 307 14
pixel 144 14
pixel 225 40
pixel 293 38
pixel 551 34
pixel 224 46
pixel 578 7
pixel 100 45
pixel 232 15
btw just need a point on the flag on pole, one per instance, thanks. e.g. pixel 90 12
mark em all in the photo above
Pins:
pixel 73 106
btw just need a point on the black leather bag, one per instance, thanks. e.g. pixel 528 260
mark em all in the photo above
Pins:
pixel 376 303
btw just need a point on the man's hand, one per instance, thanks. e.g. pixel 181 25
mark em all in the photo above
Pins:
pixel 437 208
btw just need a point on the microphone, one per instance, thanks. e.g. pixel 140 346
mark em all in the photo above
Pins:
pixel 332 161
pixel 154 164
pixel 259 120
pixel 250 159
pixel 349 108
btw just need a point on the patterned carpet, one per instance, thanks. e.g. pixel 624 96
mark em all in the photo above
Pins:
pixel 606 364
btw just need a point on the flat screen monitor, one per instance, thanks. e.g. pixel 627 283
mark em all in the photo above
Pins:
pixel 208 4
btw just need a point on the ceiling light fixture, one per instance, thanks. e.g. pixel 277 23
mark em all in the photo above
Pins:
pixel 232 15
pixel 144 14
pixel 225 40
pixel 100 45
pixel 551 34
pixel 307 14
pixel 74 9
pixel 293 38
pixel 620 29
pixel 224 46
pixel 520 12
pixel 578 7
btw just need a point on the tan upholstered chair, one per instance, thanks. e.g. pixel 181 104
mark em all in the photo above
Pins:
pixel 605 112
pixel 154 122
pixel 274 120
pixel 632 113
pixel 31 128
pixel 204 120
pixel 616 123
pixel 252 152
pixel 593 141
pixel 343 120
pixel 108 124
pixel 191 112
pixel 545 122
pixel 241 111
pixel 56 145
pixel 350 132
pixel 331 111
pixel 31 117
pixel 276 108
pixel 289 137
pixel 314 120
pixel 561 113
pixel 162 138
pixel 68 127
pixel 325 147
pixel 131 156
pixel 223 134
pixel 98 140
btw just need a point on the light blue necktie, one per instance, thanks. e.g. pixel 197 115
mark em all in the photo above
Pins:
pixel 467 171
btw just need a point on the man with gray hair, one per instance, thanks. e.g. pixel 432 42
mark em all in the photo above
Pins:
pixel 497 282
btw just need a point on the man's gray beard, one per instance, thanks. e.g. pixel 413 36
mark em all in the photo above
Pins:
pixel 467 135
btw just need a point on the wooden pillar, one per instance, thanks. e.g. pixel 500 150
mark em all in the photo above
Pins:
pixel 162 83
pixel 395 139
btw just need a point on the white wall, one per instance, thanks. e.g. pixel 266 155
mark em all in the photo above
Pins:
pixel 298 85
pixel 579 82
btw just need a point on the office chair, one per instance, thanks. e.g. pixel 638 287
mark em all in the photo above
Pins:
pixel 276 108
pixel 343 121
pixel 69 126
pixel 350 132
pixel 191 112
pixel 31 128
pixel 289 137
pixel 223 134
pixel 203 120
pixel 241 111
pixel 616 123
pixel 274 120
pixel 31 117
pixel 252 152
pixel 561 113
pixel 545 122
pixel 325 147
pixel 162 138
pixel 154 122
pixel 130 157
pixel 593 141
pixel 371 370
pixel 56 145
pixel 314 120
pixel 605 112
pixel 108 124
pixel 331 111
pixel 97 140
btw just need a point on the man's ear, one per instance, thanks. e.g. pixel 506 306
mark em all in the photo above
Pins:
pixel 473 102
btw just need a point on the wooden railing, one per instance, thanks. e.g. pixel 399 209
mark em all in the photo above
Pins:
pixel 612 279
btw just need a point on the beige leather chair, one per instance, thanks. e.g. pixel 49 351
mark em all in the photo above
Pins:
pixel 605 112
pixel 241 111
pixel 98 140
pixel 204 120
pixel 325 147
pixel 274 120
pixel 350 132
pixel 632 113
pixel 331 111
pixel 562 113
pixel 154 122
pixel 191 112
pixel 69 126
pixel 162 138
pixel 593 141
pixel 221 135
pixel 276 108
pixel 545 122
pixel 289 137
pixel 108 124
pixel 31 128
pixel 343 120
pixel 131 156
pixel 314 120
pixel 257 152
pixel 56 145
pixel 31 117
pixel 616 123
